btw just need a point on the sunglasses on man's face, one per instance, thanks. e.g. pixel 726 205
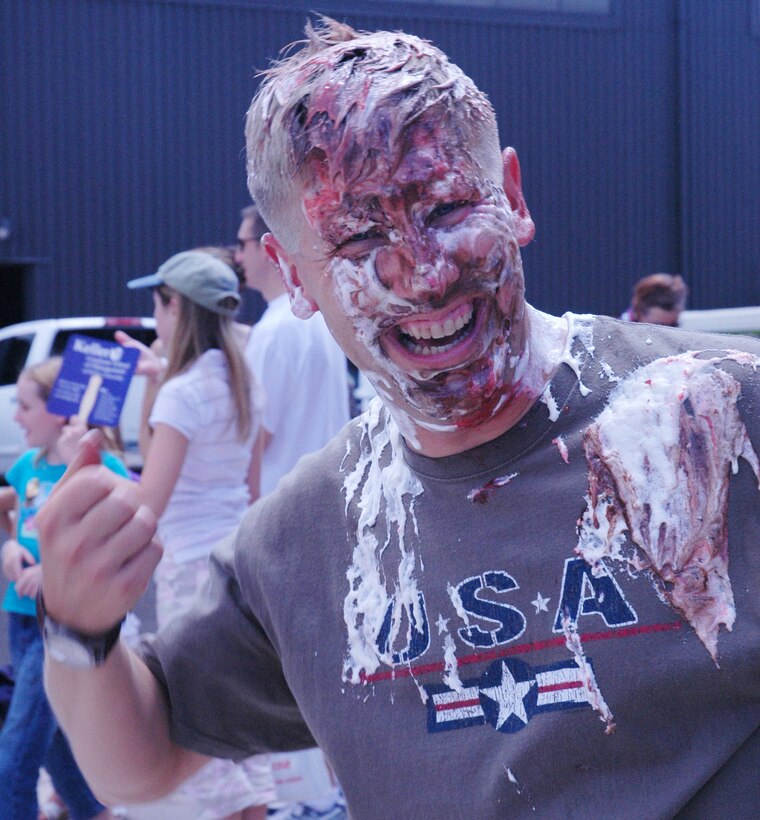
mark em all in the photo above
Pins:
pixel 241 243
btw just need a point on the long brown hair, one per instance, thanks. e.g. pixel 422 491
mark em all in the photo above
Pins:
pixel 198 330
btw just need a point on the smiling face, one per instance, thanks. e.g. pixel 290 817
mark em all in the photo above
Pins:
pixel 399 225
pixel 41 429
pixel 417 271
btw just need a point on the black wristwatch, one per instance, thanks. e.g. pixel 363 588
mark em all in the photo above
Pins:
pixel 72 648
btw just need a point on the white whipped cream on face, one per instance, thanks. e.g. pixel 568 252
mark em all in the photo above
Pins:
pixel 660 456
pixel 380 483
pixel 373 307
pixel 299 304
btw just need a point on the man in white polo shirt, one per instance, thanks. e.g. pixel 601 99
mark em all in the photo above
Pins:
pixel 305 377
pixel 301 367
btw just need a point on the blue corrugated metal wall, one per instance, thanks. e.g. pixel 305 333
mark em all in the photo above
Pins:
pixel 720 51
pixel 121 137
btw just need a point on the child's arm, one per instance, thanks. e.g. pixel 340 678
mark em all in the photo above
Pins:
pixel 7 508
pixel 7 499
pixel 18 563
pixel 14 559
pixel 29 581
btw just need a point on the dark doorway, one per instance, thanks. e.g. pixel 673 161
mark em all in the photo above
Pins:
pixel 14 275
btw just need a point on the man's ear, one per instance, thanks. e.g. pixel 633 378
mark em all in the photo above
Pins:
pixel 302 305
pixel 513 189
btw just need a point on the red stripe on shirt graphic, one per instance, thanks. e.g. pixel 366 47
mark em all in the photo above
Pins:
pixel 510 692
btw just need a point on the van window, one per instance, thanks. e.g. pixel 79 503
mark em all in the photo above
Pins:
pixel 145 335
pixel 13 354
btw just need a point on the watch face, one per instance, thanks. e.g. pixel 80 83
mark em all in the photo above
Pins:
pixel 68 650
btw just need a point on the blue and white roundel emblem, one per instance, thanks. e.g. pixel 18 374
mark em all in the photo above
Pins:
pixel 508 694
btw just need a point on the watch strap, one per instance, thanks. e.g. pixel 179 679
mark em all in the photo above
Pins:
pixel 71 647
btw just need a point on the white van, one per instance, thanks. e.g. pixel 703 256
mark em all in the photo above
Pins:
pixel 744 320
pixel 27 343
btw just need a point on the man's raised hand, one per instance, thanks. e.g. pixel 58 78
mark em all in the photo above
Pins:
pixel 96 542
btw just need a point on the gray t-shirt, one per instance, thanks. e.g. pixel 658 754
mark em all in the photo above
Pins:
pixel 434 625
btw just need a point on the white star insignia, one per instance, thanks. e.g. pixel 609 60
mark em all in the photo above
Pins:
pixel 541 603
pixel 442 624
pixel 509 696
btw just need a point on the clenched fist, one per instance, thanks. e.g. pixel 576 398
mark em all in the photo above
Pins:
pixel 96 542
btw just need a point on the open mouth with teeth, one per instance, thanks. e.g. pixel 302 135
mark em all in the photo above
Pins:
pixel 436 340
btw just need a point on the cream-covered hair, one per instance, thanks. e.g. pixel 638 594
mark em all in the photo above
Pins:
pixel 346 100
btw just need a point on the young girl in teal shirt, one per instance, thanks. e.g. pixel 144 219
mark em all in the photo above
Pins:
pixel 30 737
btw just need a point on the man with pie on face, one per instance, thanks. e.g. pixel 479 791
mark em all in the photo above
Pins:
pixel 524 583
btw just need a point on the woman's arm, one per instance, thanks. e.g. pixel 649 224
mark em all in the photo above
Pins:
pixel 162 467
pixel 151 365
pixel 254 466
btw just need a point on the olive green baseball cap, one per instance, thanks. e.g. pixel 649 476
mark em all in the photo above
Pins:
pixel 200 277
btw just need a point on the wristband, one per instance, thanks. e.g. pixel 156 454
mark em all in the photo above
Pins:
pixel 73 648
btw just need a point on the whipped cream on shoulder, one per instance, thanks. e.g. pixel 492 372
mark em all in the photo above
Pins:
pixel 660 456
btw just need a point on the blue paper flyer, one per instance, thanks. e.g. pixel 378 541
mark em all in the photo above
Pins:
pixel 93 381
